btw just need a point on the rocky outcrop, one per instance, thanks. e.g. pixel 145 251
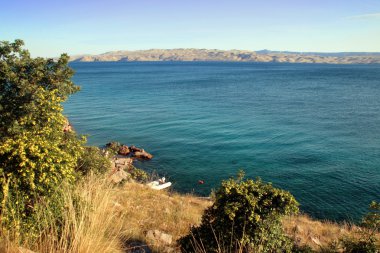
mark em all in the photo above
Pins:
pixel 122 163
pixel 119 165
pixel 142 155
pixel 118 175
pixel 135 152
pixel 135 149
pixel 124 150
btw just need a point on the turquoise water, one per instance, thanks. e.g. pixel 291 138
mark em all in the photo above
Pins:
pixel 311 129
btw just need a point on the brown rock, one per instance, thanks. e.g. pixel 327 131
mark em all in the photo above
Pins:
pixel 143 155
pixel 124 150
pixel 119 175
pixel 135 149
pixel 122 160
pixel 159 236
pixel 129 161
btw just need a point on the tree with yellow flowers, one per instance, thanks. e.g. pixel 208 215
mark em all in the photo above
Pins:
pixel 36 155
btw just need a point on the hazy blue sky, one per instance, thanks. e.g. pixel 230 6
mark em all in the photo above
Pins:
pixel 92 26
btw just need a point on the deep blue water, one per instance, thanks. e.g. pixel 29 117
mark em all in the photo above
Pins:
pixel 311 129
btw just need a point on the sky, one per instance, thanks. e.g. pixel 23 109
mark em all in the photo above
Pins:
pixel 52 27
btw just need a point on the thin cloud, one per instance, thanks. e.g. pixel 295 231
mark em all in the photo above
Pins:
pixel 365 16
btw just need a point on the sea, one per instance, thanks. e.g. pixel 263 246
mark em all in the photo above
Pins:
pixel 311 129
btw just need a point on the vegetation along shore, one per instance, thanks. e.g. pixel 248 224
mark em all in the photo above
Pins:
pixel 59 195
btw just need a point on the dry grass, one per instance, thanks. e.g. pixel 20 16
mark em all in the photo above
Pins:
pixel 89 223
pixel 173 213
pixel 111 219
pixel 317 234
pixel 148 209
pixel 108 218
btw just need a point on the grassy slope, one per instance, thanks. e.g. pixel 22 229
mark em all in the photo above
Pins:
pixel 173 213
pixel 112 219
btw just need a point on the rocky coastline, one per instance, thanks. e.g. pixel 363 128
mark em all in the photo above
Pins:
pixel 122 157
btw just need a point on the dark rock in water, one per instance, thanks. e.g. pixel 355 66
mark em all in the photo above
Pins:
pixel 124 150
pixel 113 144
pixel 142 155
pixel 135 149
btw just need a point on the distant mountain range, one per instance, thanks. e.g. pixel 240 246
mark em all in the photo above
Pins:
pixel 182 54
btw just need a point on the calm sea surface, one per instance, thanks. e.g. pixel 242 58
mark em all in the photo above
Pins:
pixel 311 129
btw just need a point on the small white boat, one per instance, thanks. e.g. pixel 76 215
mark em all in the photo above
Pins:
pixel 159 184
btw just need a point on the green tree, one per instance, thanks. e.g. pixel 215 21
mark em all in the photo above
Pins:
pixel 246 216
pixel 35 153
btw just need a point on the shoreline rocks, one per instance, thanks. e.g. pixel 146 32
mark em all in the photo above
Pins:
pixel 124 150
pixel 122 158
pixel 142 155
pixel 131 151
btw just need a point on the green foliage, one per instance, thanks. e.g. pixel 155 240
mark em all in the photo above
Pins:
pixel 93 160
pixel 351 245
pixel 366 240
pixel 138 174
pixel 372 219
pixel 113 147
pixel 31 89
pixel 302 249
pixel 245 215
pixel 362 245
pixel 35 153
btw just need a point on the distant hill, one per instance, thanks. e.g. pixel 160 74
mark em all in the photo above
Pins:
pixel 336 54
pixel 182 54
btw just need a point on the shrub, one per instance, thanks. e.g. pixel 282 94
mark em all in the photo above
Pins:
pixel 367 237
pixel 113 147
pixel 245 216
pixel 35 153
pixel 371 221
pixel 351 245
pixel 93 160
pixel 302 249
pixel 138 174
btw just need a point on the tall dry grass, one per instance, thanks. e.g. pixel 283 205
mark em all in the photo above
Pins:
pixel 146 209
pixel 319 234
pixel 101 217
pixel 89 222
